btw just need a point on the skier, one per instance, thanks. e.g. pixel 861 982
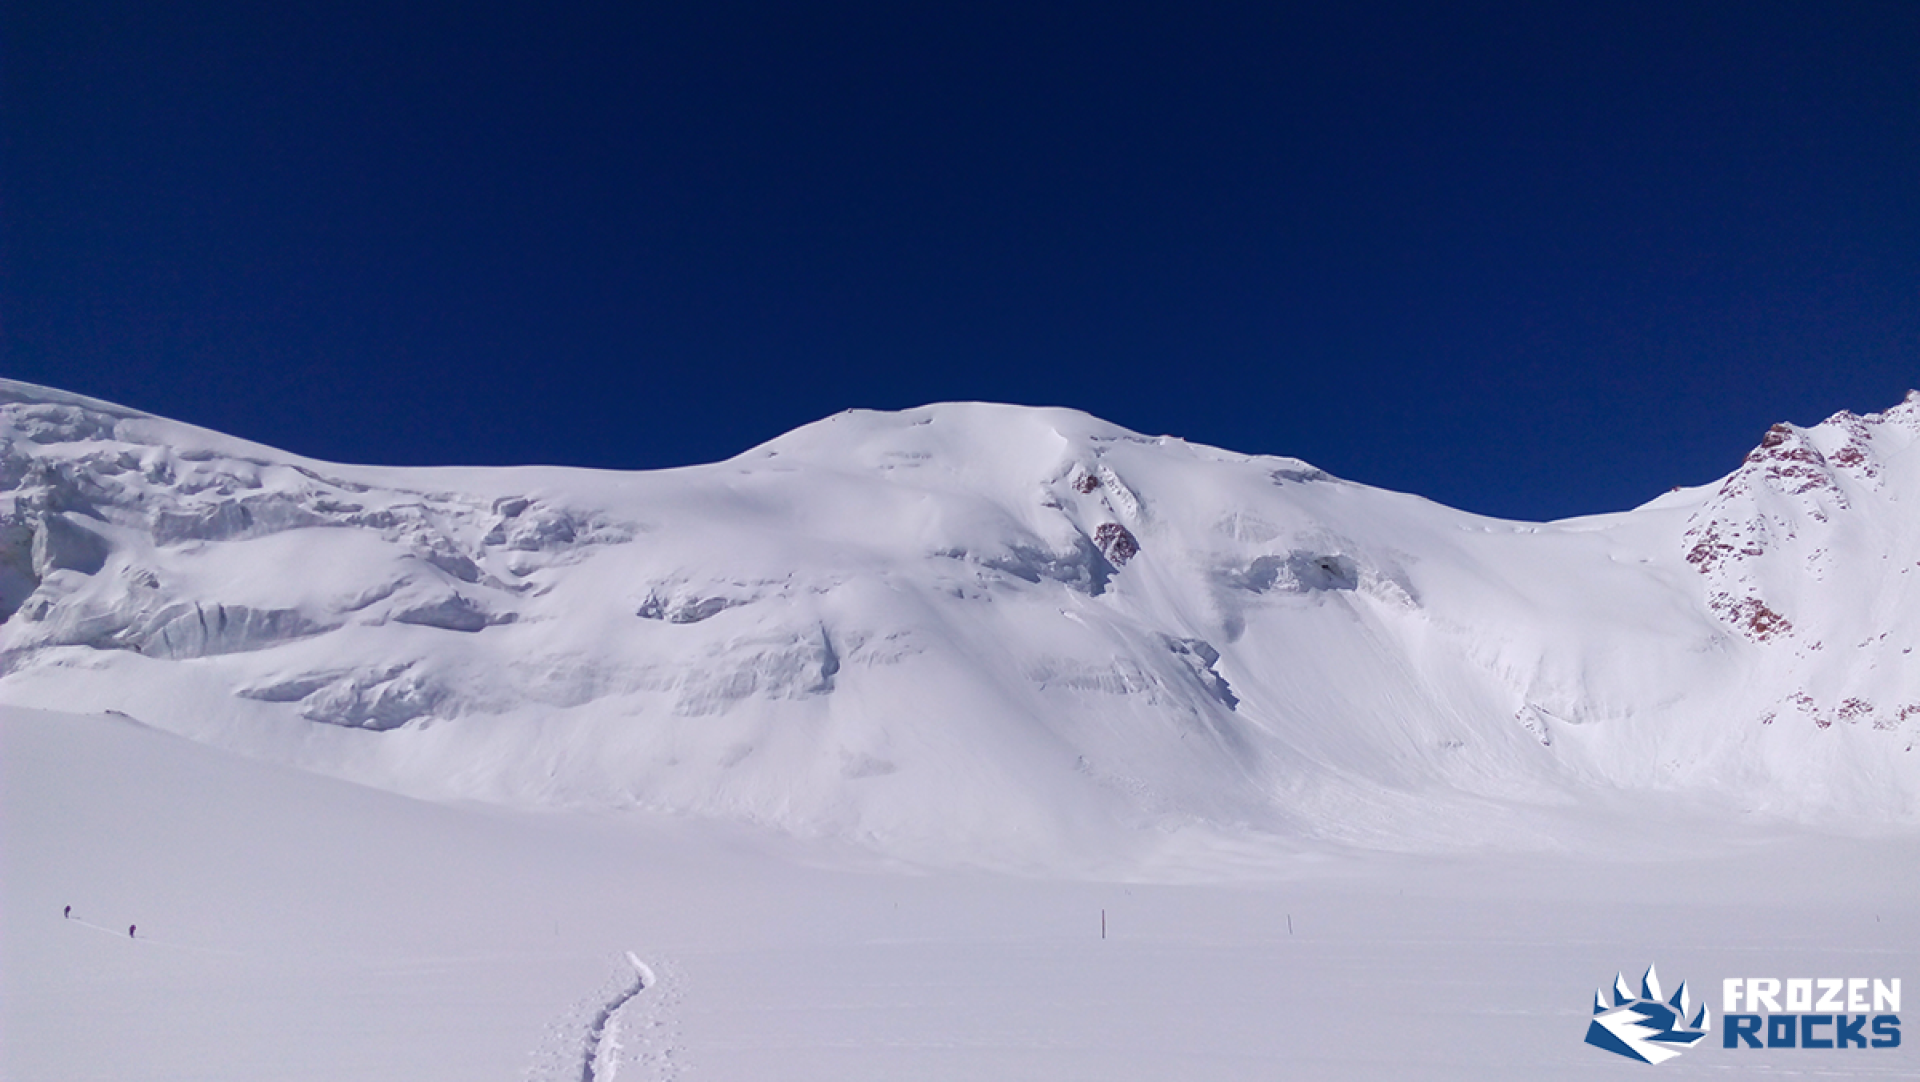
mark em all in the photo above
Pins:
pixel 68 914
pixel 130 929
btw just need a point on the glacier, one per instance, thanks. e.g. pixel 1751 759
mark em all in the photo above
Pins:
pixel 1009 636
pixel 969 742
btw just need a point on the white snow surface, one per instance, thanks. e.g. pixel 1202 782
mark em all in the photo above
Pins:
pixel 982 635
pixel 304 929
pixel 965 743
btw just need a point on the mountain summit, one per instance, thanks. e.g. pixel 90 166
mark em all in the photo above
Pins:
pixel 995 631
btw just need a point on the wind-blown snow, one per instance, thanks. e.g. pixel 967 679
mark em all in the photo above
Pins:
pixel 982 634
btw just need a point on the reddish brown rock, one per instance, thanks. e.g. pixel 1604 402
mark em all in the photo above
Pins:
pixel 1116 543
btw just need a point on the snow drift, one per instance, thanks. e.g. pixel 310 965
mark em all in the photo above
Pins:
pixel 1024 630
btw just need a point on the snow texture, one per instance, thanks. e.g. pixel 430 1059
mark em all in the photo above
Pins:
pixel 306 929
pixel 986 634
pixel 726 767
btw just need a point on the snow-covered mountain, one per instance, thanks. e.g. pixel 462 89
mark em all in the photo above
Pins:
pixel 991 630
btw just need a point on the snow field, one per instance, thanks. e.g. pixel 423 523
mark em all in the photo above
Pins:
pixel 295 926
pixel 829 761
pixel 907 630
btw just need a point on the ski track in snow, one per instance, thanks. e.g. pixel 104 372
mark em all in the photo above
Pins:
pixel 145 941
pixel 625 1029
pixel 602 1059
pixel 77 922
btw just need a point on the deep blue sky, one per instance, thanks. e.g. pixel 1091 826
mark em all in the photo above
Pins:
pixel 1531 260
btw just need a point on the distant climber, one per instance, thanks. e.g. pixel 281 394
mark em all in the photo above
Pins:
pixel 130 929
pixel 68 914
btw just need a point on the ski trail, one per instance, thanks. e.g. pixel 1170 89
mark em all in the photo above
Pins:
pixel 618 1027
pixel 601 1060
pixel 144 940
pixel 121 933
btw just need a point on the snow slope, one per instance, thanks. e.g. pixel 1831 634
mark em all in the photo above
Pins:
pixel 978 634
pixel 295 927
pixel 1307 780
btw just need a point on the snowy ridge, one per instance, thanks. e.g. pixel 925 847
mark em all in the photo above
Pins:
pixel 1806 548
pixel 980 633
